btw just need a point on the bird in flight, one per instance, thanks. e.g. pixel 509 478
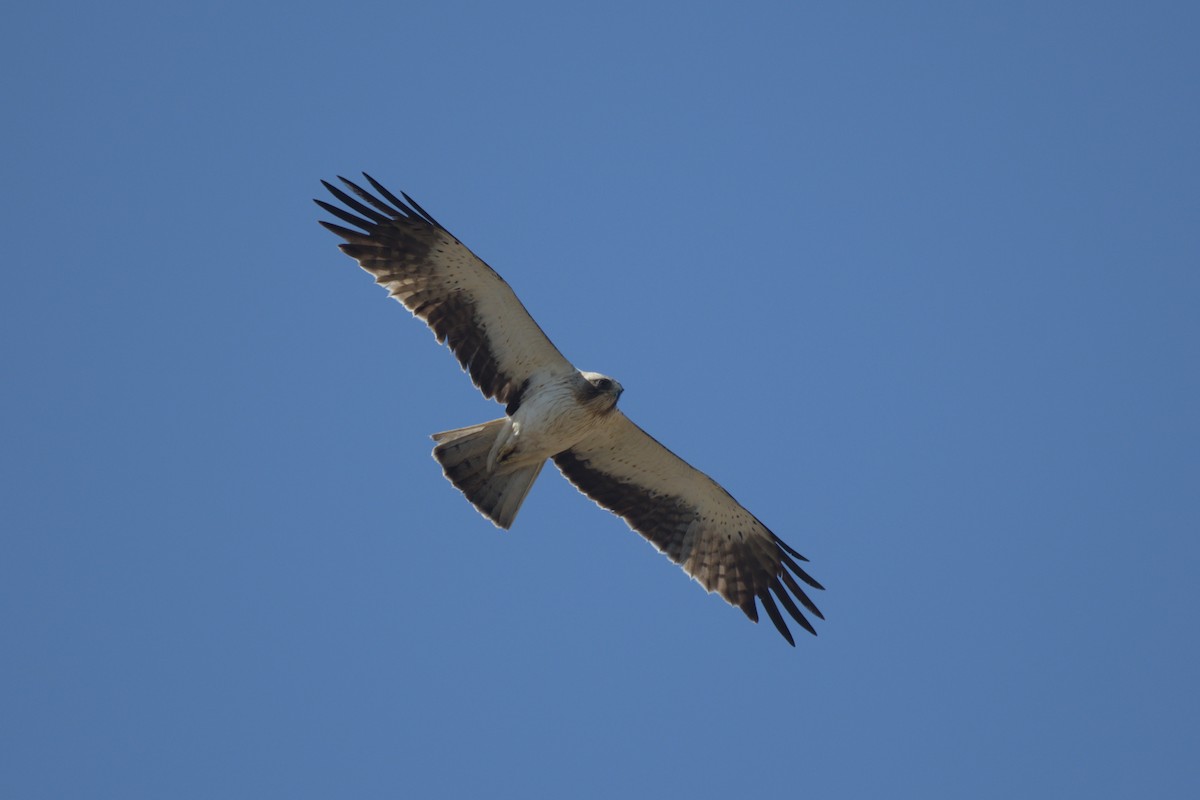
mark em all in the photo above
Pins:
pixel 557 412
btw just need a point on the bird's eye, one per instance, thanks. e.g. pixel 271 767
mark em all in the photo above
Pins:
pixel 604 384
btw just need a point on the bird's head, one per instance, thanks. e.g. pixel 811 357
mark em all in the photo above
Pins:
pixel 602 390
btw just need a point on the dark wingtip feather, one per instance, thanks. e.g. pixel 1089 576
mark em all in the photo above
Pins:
pixel 809 579
pixel 345 233
pixel 371 212
pixel 346 216
pixel 800 573
pixel 788 548
pixel 790 605
pixel 776 617
pixel 360 252
pixel 797 590
pixel 324 205
pixel 389 212
pixel 396 201
pixel 421 211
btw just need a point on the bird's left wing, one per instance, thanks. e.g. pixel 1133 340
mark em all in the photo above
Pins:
pixel 688 516
pixel 464 301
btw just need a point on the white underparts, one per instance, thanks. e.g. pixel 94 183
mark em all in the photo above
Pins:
pixel 549 421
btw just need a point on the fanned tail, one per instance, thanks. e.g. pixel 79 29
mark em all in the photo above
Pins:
pixel 463 454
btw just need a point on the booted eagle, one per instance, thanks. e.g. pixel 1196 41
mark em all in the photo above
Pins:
pixel 554 411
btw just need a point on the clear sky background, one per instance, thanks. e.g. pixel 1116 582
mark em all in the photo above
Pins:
pixel 918 283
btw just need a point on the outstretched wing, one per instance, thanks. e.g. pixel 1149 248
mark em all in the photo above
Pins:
pixel 689 517
pixel 438 279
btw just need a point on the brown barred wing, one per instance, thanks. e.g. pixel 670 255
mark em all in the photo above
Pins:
pixel 688 516
pixel 463 300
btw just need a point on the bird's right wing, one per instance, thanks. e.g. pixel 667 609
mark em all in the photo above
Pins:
pixel 439 280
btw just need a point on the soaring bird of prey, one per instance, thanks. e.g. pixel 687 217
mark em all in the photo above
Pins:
pixel 555 411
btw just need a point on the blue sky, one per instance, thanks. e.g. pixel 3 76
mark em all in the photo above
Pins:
pixel 918 283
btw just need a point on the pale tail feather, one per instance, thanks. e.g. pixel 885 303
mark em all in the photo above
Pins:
pixel 463 454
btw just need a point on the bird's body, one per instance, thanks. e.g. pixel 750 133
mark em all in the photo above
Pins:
pixel 553 416
pixel 554 411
